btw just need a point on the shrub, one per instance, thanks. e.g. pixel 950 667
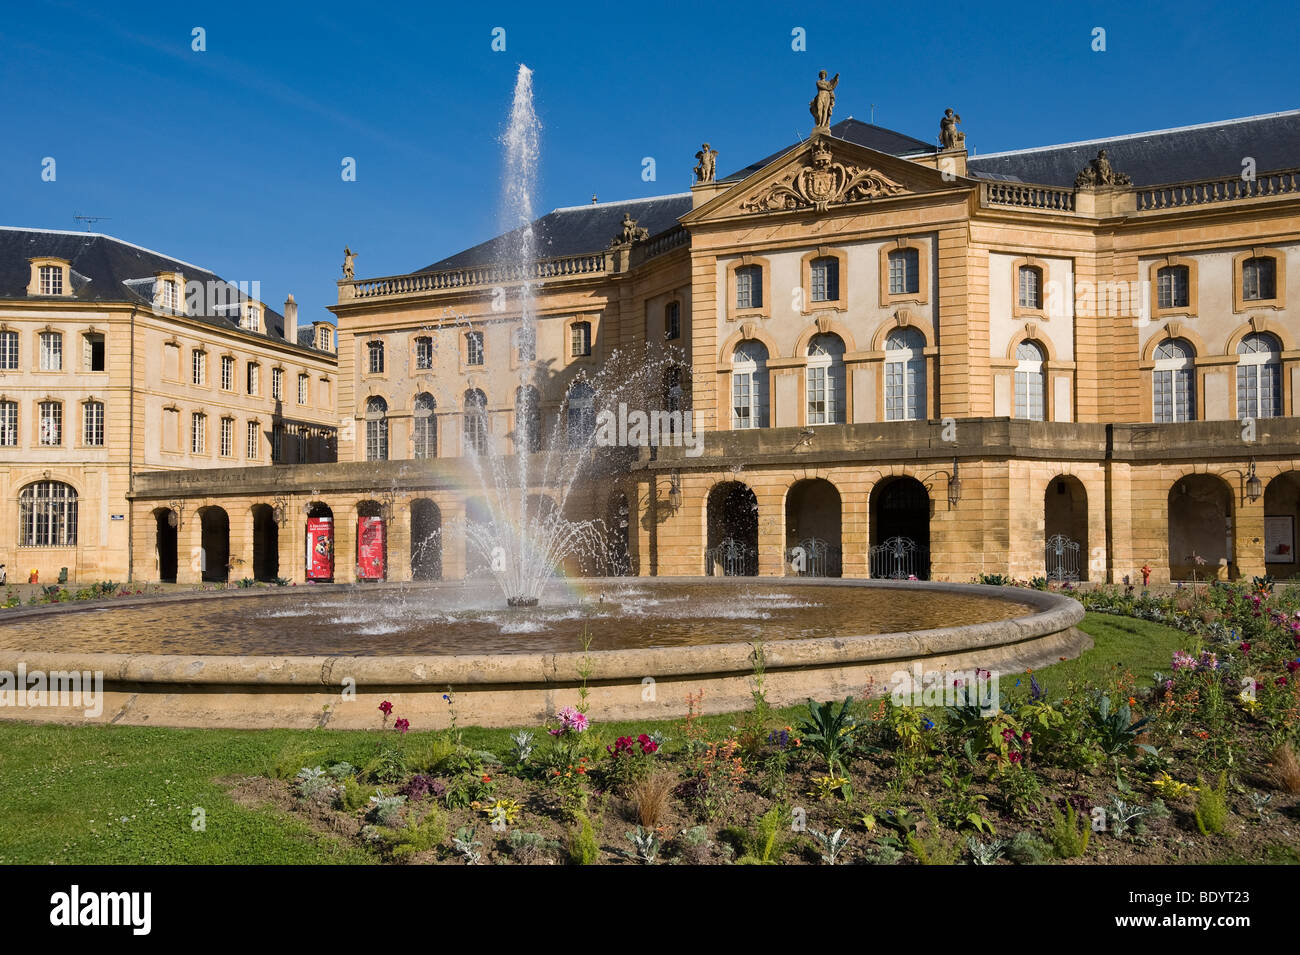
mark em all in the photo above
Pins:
pixel 405 841
pixel 829 731
pixel 313 783
pixel 1027 849
pixel 934 847
pixel 1286 768
pixel 583 847
pixel 386 810
pixel 422 785
pixel 649 798
pixel 1021 794
pixel 341 770
pixel 1212 807
pixel 353 795
pixel 388 767
pixel 529 848
pixel 763 845
pixel 1068 833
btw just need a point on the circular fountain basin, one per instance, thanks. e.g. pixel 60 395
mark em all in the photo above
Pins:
pixel 327 655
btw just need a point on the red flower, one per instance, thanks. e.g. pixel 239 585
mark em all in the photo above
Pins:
pixel 1280 681
pixel 1014 756
pixel 1245 647
pixel 386 707
pixel 401 725
pixel 487 778
pixel 1293 665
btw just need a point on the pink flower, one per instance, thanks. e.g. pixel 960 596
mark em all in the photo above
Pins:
pixel 1014 757
pixel 1280 681
pixel 386 707
pixel 401 725
pixel 1245 647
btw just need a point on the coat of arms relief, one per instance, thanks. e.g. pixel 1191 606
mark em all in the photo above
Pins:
pixel 823 182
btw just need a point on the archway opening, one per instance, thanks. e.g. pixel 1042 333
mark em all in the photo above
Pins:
pixel 214 554
pixel 165 542
pixel 1200 528
pixel 813 528
pixel 372 542
pixel 266 543
pixel 426 540
pixel 732 548
pixel 1065 529
pixel 900 529
pixel 320 542
pixel 1281 513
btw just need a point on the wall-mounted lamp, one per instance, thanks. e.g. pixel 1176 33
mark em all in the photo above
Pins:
pixel 175 509
pixel 1254 488
pixel 280 511
pixel 675 492
pixel 954 485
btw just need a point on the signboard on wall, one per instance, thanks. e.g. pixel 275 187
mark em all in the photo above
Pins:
pixel 320 548
pixel 1279 539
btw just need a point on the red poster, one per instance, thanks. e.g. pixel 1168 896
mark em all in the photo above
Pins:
pixel 370 548
pixel 320 548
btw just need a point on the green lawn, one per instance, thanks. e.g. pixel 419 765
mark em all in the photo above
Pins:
pixel 124 794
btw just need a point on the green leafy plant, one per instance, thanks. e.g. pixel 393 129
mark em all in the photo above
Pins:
pixel 831 845
pixel 645 845
pixel 1116 733
pixel 763 845
pixel 583 847
pixel 467 846
pixel 1026 848
pixel 1123 816
pixel 828 730
pixel 1020 791
pixel 986 853
pixel 1212 807
pixel 1068 832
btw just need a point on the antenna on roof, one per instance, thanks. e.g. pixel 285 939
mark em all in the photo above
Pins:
pixel 593 199
pixel 89 219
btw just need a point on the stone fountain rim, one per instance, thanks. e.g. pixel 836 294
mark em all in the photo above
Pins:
pixel 1055 612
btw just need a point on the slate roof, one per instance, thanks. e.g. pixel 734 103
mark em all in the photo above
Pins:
pixel 1205 151
pixel 106 269
pixel 854 131
pixel 576 229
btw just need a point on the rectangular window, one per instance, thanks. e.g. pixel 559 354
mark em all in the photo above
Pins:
pixel 1172 287
pixel 673 321
pixel 170 297
pixel 579 339
pixel 1030 287
pixel 825 280
pixel 526 344
pixel 742 401
pixel 302 389
pixel 227 373
pixel 8 351
pixel 277 384
pixel 277 443
pixel 1029 395
pixel 904 272
pixel 254 439
pixel 749 291
pixel 198 367
pixel 92 352
pixel 8 424
pixel 51 280
pixel 252 318
pixel 227 437
pixel 254 374
pixel 1259 279
pixel 92 425
pixel 198 432
pixel 376 364
pixel 1173 395
pixel 423 353
pixel 817 396
pixel 474 348
pixel 1259 391
pixel 51 351
pixel 51 423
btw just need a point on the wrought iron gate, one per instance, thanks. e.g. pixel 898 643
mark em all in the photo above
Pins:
pixel 1062 558
pixel 814 557
pixel 898 559
pixel 732 558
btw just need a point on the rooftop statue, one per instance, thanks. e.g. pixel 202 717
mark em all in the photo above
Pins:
pixel 706 168
pixel 631 233
pixel 949 138
pixel 349 257
pixel 824 101
pixel 1099 172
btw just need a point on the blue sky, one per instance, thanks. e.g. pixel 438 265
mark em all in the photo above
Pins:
pixel 231 158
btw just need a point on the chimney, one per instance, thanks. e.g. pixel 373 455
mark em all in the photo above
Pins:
pixel 291 320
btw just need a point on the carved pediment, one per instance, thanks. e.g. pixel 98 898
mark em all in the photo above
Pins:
pixel 823 181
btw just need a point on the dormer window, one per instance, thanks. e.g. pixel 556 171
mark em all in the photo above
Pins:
pixel 170 295
pixel 51 280
pixel 49 276
pixel 251 319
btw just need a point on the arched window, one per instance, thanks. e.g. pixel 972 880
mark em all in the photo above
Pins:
pixel 1259 279
pixel 528 419
pixel 1259 376
pixel 1030 287
pixel 425 431
pixel 47 515
pixel 1173 385
pixel 1173 286
pixel 904 375
pixel 476 422
pixel 826 380
pixel 749 386
pixel 825 279
pixel 1030 380
pixel 376 356
pixel 581 413
pixel 376 429
pixel 749 287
